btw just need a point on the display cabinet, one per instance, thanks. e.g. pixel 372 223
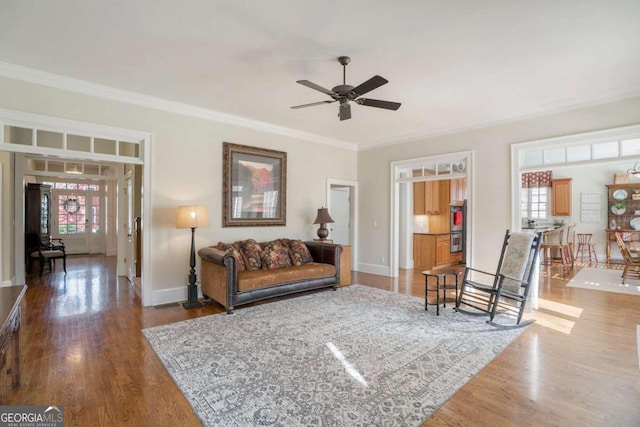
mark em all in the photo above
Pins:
pixel 623 213
pixel 38 209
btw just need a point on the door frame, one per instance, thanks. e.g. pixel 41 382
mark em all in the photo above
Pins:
pixel 68 126
pixel 397 211
pixel 354 211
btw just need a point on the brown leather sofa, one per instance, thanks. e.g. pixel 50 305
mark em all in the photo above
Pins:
pixel 222 282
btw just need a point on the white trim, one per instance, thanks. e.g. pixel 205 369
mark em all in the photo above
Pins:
pixel 168 296
pixel 65 83
pixel 381 270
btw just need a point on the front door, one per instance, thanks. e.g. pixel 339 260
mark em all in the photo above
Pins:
pixel 76 213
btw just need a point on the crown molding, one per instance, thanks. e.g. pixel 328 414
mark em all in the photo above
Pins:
pixel 57 81
pixel 618 94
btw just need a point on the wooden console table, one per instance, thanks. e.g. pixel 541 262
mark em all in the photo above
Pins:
pixel 10 297
pixel 628 235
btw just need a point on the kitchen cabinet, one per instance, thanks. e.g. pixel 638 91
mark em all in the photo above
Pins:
pixel 431 197
pixel 561 197
pixel 431 251
pixel 418 198
pixel 442 249
pixel 458 190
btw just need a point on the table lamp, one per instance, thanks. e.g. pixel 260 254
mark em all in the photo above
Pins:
pixel 323 218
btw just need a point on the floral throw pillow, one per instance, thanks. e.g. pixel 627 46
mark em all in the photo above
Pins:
pixel 275 255
pixel 299 252
pixel 226 247
pixel 251 251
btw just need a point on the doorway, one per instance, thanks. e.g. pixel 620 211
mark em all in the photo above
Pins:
pixel 51 139
pixel 403 174
pixel 342 202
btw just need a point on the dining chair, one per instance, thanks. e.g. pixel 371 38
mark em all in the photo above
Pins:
pixel 585 245
pixel 631 263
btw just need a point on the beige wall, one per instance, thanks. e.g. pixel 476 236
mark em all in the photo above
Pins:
pixel 491 174
pixel 186 167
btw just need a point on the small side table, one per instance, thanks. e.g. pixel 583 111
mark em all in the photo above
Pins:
pixel 442 284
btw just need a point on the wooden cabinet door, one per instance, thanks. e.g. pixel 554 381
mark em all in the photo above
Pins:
pixel 458 190
pixel 442 250
pixel 424 251
pixel 561 197
pixel 418 198
pixel 432 197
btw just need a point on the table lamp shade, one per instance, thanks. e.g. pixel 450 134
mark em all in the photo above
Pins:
pixel 192 216
pixel 323 217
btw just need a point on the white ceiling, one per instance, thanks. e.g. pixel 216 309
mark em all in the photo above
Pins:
pixel 453 64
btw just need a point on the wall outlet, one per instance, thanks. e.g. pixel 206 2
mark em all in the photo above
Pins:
pixel 382 259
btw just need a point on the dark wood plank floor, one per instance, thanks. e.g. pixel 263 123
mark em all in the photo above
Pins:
pixel 82 347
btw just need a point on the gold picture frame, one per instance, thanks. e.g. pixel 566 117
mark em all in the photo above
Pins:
pixel 254 182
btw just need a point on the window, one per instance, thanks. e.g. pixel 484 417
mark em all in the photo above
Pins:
pixel 534 203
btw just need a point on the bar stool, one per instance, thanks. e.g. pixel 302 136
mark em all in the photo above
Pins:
pixel 584 244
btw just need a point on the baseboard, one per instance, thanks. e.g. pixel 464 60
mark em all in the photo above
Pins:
pixel 381 270
pixel 8 283
pixel 168 296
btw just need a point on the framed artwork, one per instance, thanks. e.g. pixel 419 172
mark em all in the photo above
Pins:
pixel 254 184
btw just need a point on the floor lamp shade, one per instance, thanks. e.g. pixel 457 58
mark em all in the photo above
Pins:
pixel 192 216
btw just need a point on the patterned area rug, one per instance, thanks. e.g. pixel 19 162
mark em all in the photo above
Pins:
pixel 358 356
pixel 604 279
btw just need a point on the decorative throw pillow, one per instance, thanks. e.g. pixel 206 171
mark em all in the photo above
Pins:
pixel 227 247
pixel 299 252
pixel 251 251
pixel 275 255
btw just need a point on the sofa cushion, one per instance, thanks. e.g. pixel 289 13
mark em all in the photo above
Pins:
pixel 251 251
pixel 248 280
pixel 275 255
pixel 228 247
pixel 298 252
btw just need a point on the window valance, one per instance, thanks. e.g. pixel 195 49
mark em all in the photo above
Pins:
pixel 536 179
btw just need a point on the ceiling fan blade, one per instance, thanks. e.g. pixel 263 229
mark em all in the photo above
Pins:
pixel 345 111
pixel 312 104
pixel 371 84
pixel 379 104
pixel 312 85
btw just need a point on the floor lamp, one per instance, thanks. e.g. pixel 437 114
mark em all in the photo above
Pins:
pixel 192 217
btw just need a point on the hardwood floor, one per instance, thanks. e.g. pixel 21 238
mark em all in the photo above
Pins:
pixel 82 347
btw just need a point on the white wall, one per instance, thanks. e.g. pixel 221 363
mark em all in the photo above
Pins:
pixel 491 175
pixel 186 167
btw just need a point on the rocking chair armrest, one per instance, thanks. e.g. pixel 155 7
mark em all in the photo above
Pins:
pixel 504 276
pixel 480 271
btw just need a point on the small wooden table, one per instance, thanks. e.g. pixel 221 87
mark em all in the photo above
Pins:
pixel 10 297
pixel 437 276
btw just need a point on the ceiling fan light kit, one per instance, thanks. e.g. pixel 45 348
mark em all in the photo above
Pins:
pixel 345 93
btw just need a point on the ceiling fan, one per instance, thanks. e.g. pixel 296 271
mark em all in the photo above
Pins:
pixel 344 93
